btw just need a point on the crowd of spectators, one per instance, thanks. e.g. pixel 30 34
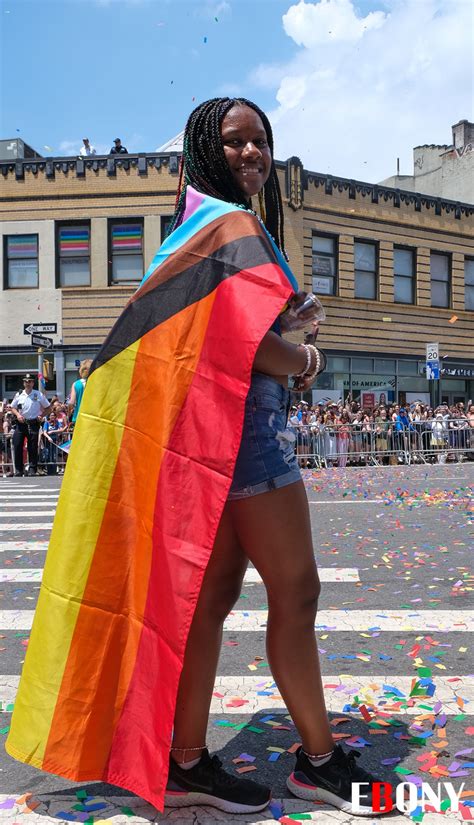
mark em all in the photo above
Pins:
pixel 336 433
pixel 342 433
pixel 53 430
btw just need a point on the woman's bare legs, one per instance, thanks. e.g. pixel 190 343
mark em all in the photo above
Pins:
pixel 220 590
pixel 274 531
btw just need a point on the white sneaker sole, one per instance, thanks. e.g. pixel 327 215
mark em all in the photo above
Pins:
pixel 312 794
pixel 185 800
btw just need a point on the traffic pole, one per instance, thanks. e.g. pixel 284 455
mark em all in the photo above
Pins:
pixel 40 368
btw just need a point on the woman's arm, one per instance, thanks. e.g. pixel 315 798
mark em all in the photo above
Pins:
pixel 275 356
pixel 72 400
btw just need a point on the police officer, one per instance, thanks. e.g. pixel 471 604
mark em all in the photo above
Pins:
pixel 29 407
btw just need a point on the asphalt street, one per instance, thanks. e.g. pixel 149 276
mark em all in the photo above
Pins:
pixel 394 547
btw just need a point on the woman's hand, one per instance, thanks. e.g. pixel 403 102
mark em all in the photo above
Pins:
pixel 302 384
pixel 310 337
pixel 290 319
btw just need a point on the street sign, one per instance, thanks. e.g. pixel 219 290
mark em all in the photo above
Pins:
pixel 432 370
pixel 41 341
pixel 29 329
pixel 432 352
pixel 432 362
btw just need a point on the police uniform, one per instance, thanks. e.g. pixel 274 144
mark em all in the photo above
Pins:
pixel 30 405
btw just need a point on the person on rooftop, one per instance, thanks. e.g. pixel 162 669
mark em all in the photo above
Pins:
pixel 118 148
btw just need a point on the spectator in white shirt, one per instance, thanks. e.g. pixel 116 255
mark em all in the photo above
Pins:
pixel 87 149
pixel 29 408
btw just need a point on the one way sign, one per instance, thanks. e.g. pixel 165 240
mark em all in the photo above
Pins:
pixel 41 341
pixel 30 329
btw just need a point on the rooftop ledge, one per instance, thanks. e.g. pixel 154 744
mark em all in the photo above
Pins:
pixel 144 161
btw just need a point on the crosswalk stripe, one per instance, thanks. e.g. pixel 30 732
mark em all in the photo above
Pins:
pixel 27 514
pixel 326 574
pixel 252 694
pixel 247 621
pixel 445 621
pixel 260 694
pixel 23 546
pixel 18 485
pixel 21 574
pixel 347 501
pixel 13 528
pixel 28 501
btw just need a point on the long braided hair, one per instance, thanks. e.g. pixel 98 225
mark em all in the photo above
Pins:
pixel 204 165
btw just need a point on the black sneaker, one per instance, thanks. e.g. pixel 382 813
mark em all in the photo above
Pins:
pixel 332 782
pixel 208 784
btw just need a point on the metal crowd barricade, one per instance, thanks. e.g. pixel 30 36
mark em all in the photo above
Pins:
pixel 52 456
pixel 372 443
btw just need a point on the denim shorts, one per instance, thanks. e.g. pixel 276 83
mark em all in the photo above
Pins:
pixel 266 458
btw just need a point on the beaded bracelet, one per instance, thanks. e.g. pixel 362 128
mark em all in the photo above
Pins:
pixel 308 361
pixel 317 367
pixel 310 349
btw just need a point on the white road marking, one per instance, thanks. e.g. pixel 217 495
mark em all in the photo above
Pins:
pixel 444 621
pixel 17 547
pixel 14 528
pixel 18 485
pixel 261 693
pixel 348 501
pixel 326 574
pixel 26 574
pixel 247 621
pixel 27 514
pixel 29 501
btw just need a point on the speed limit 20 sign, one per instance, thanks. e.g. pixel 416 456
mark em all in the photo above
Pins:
pixel 432 352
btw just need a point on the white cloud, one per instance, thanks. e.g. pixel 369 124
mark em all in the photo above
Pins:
pixel 230 90
pixel 291 91
pixel 212 9
pixel 329 20
pixel 361 91
pixel 69 147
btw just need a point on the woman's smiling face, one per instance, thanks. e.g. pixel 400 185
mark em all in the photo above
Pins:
pixel 246 149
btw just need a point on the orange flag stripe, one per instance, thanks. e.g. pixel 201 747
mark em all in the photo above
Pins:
pixel 119 575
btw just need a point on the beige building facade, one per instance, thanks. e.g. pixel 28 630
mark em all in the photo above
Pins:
pixel 394 269
pixel 445 171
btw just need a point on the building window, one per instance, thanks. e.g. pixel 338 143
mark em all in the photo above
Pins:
pixel 73 244
pixel 365 270
pixel 404 275
pixel 440 279
pixel 126 247
pixel 407 368
pixel 469 283
pixel 324 264
pixel 362 365
pixel 21 261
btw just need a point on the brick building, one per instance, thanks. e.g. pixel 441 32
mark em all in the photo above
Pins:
pixel 395 269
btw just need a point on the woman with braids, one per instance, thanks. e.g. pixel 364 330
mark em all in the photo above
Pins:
pixel 228 150
pixel 123 654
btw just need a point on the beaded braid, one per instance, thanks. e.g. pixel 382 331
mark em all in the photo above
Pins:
pixel 204 165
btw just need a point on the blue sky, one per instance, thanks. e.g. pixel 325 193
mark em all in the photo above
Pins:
pixel 327 72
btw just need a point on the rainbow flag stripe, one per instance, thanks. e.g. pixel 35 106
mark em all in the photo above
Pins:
pixel 127 237
pixel 74 240
pixel 22 246
pixel 140 503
